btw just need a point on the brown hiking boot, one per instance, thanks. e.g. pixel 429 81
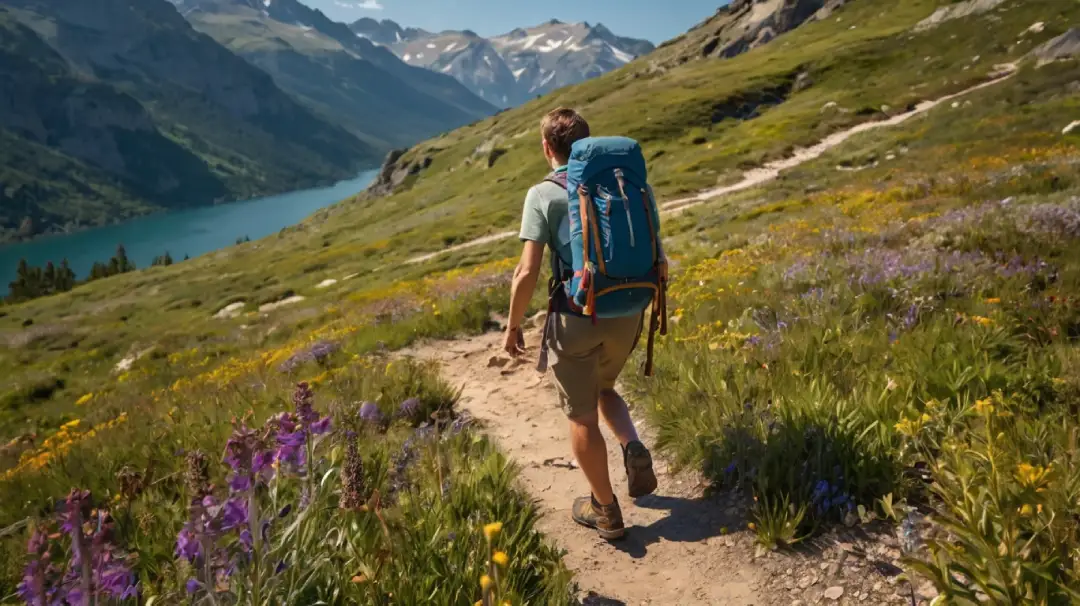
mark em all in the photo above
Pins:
pixel 606 519
pixel 640 477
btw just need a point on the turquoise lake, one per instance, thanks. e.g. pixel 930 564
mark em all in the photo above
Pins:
pixel 190 232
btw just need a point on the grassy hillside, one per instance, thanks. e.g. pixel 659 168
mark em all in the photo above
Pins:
pixel 878 313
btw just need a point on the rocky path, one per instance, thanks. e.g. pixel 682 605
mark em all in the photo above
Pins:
pixel 676 550
pixel 682 547
pixel 760 176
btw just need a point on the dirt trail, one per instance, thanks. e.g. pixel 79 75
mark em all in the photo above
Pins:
pixel 674 552
pixel 772 170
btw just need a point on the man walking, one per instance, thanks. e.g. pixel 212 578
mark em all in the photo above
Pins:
pixel 588 348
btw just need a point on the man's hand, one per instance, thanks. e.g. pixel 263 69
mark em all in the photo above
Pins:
pixel 514 341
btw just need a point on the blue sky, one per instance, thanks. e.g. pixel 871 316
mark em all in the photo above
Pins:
pixel 649 19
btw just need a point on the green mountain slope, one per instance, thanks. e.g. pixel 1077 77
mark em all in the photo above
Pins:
pixel 353 82
pixel 143 113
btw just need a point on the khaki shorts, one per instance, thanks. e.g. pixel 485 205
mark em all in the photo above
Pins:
pixel 587 358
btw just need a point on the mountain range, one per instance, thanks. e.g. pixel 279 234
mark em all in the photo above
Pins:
pixel 352 81
pixel 510 69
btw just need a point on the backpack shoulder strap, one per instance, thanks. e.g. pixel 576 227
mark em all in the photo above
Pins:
pixel 557 177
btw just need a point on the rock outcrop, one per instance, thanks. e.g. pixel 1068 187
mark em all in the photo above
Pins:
pixel 741 26
pixel 1065 46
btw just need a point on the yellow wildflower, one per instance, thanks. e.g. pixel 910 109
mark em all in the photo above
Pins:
pixel 985 406
pixel 485 582
pixel 993 301
pixel 982 321
pixel 752 526
pixel 492 530
pixel 1025 510
pixel 84 399
pixel 69 425
pixel 912 426
pixel 500 558
pixel 1032 476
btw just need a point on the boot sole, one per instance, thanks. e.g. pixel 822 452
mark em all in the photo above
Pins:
pixel 640 477
pixel 609 535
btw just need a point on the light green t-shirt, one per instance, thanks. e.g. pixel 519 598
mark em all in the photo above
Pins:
pixel 546 220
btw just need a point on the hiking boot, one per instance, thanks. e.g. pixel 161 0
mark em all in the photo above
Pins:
pixel 640 477
pixel 606 519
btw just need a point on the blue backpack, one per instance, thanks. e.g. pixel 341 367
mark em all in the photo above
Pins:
pixel 614 234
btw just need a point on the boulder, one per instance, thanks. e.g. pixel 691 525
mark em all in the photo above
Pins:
pixel 1065 46
pixel 957 11
pixel 803 81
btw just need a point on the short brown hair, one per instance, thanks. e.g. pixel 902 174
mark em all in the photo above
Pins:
pixel 561 128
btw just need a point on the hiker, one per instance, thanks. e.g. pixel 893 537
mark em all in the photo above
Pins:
pixel 594 321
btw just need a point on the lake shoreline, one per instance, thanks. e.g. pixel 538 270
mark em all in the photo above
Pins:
pixel 152 211
pixel 191 231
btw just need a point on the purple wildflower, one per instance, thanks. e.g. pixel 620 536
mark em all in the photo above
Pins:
pixel 320 427
pixel 302 400
pixel 409 408
pixel 235 514
pixel 192 586
pixel 369 412
pixel 291 448
pixel 187 543
pixel 32 589
pixel 319 353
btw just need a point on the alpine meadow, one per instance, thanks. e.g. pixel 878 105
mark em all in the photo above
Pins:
pixel 869 392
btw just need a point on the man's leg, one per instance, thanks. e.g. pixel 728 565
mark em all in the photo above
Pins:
pixel 590 450
pixel 620 337
pixel 575 347
pixel 617 416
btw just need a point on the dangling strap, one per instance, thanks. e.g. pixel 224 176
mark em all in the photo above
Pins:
pixel 588 227
pixel 658 317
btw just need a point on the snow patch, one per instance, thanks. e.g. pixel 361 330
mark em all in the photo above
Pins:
pixel 621 55
pixel 530 41
pixel 446 70
pixel 543 82
pixel 267 3
pixel 430 45
pixel 517 73
pixel 398 36
pixel 551 45
pixel 419 55
pixel 407 57
pixel 451 47
pixel 487 60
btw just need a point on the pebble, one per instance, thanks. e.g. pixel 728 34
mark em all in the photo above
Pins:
pixel 834 592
